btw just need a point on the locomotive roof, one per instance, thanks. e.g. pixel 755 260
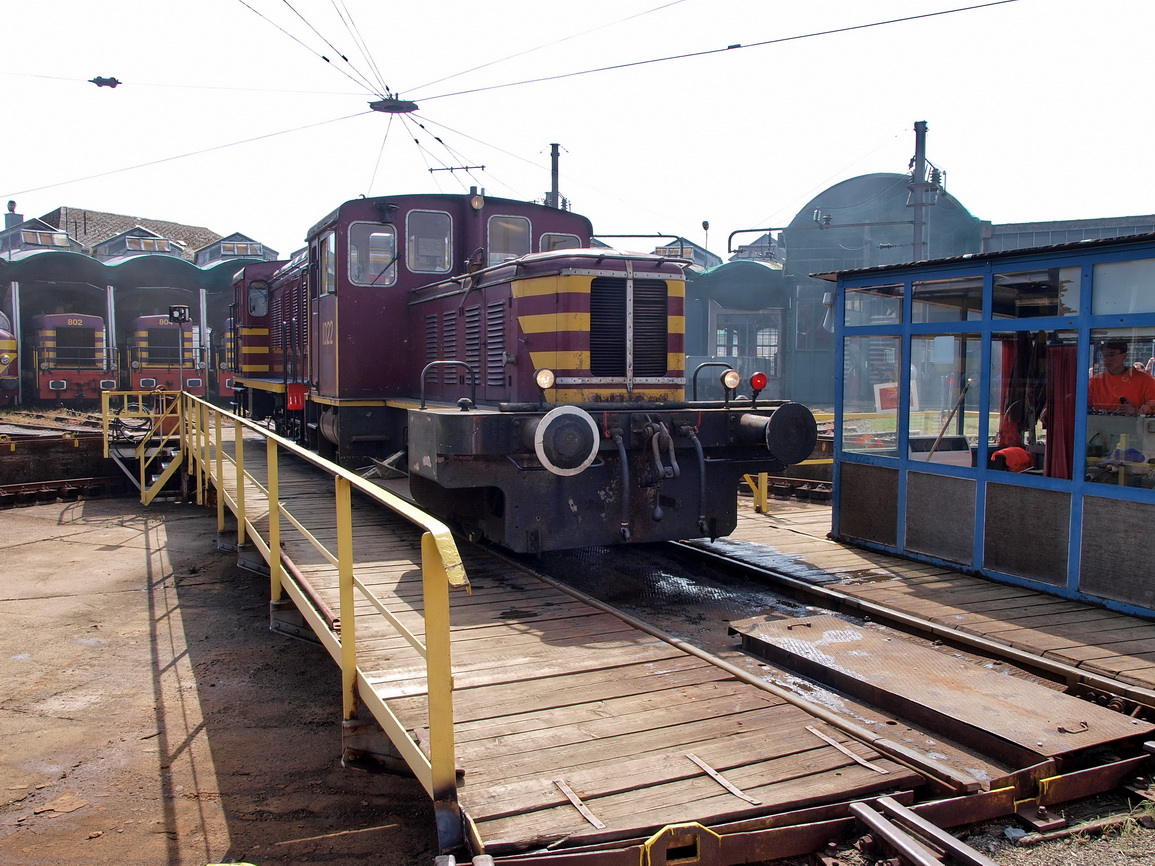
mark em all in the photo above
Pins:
pixel 428 198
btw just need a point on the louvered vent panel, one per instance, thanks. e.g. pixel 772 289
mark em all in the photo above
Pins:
pixel 650 328
pixel 434 375
pixel 449 346
pixel 473 340
pixel 275 319
pixel 495 344
pixel 608 326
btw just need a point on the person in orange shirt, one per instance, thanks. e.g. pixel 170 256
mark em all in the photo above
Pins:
pixel 1121 388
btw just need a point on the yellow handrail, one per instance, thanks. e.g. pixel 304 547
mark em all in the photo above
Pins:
pixel 206 427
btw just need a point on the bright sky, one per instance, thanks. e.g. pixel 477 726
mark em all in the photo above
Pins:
pixel 1037 109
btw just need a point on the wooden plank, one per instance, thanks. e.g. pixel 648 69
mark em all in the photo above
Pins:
pixel 473 704
pixel 680 802
pixel 800 759
pixel 592 716
pixel 770 722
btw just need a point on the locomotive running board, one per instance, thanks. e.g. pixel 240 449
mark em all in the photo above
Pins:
pixel 1021 726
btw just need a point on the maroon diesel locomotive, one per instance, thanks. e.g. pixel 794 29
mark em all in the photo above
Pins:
pixel 531 389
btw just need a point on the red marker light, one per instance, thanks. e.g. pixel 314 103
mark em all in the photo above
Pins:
pixel 759 381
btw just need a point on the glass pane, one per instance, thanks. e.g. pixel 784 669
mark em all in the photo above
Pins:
pixel 430 243
pixel 870 394
pixel 877 305
pixel 372 254
pixel 508 238
pixel 258 298
pixel 550 242
pixel 1033 376
pixel 1121 408
pixel 1052 292
pixel 954 300
pixel 943 420
pixel 1123 287
pixel 328 261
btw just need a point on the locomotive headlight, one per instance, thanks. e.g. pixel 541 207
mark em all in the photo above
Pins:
pixel 5 360
pixel 135 365
pixel 43 365
pixel 544 379
pixel 731 379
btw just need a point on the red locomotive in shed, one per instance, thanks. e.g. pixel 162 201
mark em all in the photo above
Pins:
pixel 9 363
pixel 531 388
pixel 166 354
pixel 69 357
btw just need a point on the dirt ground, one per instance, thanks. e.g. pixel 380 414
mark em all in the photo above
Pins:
pixel 148 715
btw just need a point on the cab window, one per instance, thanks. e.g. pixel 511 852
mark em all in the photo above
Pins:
pixel 372 254
pixel 327 264
pixel 508 238
pixel 258 298
pixel 429 245
pixel 550 242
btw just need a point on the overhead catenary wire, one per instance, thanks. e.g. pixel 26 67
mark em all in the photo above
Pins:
pixel 548 44
pixel 294 91
pixel 359 79
pixel 354 32
pixel 709 51
pixel 185 155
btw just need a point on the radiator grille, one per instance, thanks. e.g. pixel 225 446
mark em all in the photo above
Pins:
pixel 609 316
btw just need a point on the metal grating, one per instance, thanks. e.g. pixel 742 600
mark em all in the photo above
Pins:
pixel 608 326
pixel 650 328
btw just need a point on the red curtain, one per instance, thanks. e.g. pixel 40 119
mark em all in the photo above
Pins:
pixel 1060 419
pixel 1010 431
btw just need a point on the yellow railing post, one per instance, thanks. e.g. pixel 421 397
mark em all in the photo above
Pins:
pixel 274 488
pixel 239 448
pixel 217 430
pixel 439 668
pixel 105 397
pixel 202 449
pixel 344 505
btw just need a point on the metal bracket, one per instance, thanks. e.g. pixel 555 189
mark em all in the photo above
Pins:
pixel 1038 816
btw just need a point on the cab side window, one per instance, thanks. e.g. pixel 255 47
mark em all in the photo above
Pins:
pixel 372 254
pixel 429 242
pixel 508 238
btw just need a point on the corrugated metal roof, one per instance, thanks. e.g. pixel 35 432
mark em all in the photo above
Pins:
pixel 1024 252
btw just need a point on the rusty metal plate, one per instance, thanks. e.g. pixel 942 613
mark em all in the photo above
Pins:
pixel 1011 718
